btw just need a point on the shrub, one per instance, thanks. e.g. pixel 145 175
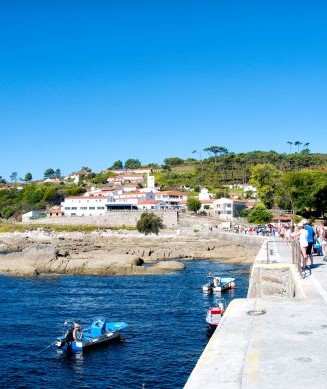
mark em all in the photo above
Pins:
pixel 149 223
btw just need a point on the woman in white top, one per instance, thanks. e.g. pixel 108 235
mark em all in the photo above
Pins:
pixel 303 239
pixel 288 236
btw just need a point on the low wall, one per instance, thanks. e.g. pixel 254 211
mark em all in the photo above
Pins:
pixel 110 219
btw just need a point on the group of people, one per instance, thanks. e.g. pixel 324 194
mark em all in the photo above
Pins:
pixel 308 236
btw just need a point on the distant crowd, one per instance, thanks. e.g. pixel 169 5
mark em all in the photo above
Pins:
pixel 314 237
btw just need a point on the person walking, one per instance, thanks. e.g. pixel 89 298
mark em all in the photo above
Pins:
pixel 310 238
pixel 302 235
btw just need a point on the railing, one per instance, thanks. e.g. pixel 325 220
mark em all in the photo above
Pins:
pixel 297 257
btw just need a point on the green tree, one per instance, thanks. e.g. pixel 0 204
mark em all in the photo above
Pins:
pixel 2 180
pixel 266 178
pixel 173 161
pixel 290 143
pixel 298 144
pixel 28 177
pixel 259 215
pixel 193 204
pixel 49 173
pixel 102 178
pixel 149 223
pixel 14 176
pixel 57 173
pixel 132 164
pixel 216 150
pixel 117 165
pixel 305 191
pixel 86 169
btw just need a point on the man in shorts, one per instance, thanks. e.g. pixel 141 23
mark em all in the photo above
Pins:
pixel 311 239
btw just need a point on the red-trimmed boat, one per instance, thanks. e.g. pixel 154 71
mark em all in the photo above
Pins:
pixel 214 314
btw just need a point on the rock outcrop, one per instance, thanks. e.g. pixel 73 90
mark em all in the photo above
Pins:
pixel 42 252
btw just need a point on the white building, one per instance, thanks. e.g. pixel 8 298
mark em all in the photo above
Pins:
pixel 33 215
pixel 84 205
pixel 205 195
pixel 227 209
pixel 150 182
pixel 171 197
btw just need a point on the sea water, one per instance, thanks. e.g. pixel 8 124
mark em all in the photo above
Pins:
pixel 165 336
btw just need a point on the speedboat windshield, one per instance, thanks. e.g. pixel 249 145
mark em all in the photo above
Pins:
pixel 99 319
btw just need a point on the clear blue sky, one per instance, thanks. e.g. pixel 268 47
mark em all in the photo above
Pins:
pixel 88 82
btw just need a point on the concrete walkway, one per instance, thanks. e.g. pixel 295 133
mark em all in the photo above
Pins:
pixel 274 342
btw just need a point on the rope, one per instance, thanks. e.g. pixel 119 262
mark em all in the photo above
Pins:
pixel 46 347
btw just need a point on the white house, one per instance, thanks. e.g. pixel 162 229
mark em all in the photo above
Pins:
pixel 205 195
pixel 74 177
pixel 228 208
pixel 33 215
pixel 171 197
pixel 84 205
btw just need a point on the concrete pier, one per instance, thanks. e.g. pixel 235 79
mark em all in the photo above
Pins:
pixel 275 338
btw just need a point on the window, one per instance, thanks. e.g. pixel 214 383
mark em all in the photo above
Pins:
pixel 67 208
pixel 100 207
pixel 92 208
pixel 74 208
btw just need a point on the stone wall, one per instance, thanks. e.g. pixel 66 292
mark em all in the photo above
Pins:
pixel 110 219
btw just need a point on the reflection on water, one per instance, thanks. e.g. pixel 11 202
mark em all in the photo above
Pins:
pixel 160 347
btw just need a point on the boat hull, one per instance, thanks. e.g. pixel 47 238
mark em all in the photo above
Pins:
pixel 80 345
pixel 98 333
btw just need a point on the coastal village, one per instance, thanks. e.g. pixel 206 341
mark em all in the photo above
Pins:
pixel 135 190
pixel 163 195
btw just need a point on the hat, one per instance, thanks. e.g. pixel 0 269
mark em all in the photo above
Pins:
pixel 300 224
pixel 304 221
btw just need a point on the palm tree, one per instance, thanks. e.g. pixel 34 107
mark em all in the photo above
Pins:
pixel 297 143
pixel 305 149
pixel 290 143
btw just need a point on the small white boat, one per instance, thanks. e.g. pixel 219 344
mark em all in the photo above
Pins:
pixel 218 284
pixel 215 313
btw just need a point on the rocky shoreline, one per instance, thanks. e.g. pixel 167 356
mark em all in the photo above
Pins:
pixel 48 253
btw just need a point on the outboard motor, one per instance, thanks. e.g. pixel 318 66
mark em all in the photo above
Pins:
pixel 68 335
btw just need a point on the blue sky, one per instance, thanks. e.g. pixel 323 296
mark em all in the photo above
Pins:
pixel 85 83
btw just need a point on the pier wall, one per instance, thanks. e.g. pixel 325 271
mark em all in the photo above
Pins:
pixel 259 335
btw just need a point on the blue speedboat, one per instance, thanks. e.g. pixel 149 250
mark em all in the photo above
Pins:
pixel 78 338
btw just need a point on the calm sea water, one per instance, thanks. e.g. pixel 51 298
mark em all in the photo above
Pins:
pixel 166 334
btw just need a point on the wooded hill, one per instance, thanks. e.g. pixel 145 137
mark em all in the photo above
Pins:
pixel 291 181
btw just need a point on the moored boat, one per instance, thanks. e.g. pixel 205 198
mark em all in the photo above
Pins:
pixel 215 313
pixel 218 284
pixel 77 338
